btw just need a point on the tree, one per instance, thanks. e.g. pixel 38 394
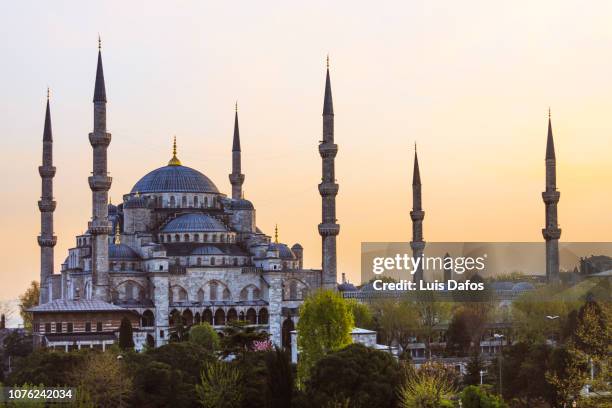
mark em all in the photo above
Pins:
pixel 220 386
pixel 362 314
pixel 458 338
pixel 478 397
pixel 187 357
pixel 366 377
pixel 126 335
pixel 396 321
pixel 592 332
pixel 54 369
pixel 28 402
pixel 105 379
pixel 17 345
pixel 280 378
pixel 325 326
pixel 566 374
pixel 205 336
pixel 239 337
pixel 27 300
pixel 431 312
pixel 474 367
pixel 430 386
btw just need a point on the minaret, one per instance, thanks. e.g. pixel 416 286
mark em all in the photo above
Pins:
pixel 46 205
pixel 100 182
pixel 417 214
pixel 551 232
pixel 328 188
pixel 236 177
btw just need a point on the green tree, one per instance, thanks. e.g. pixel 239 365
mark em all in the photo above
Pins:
pixel 474 367
pixel 325 326
pixel 592 332
pixel 238 338
pixel 205 336
pixel 362 314
pixel 280 381
pixel 478 397
pixel 430 386
pixel 126 335
pixel 566 373
pixel 52 368
pixel 458 338
pixel 26 402
pixel 27 300
pixel 396 321
pixel 368 377
pixel 431 312
pixel 220 386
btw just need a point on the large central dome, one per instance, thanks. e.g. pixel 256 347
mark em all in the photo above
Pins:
pixel 175 179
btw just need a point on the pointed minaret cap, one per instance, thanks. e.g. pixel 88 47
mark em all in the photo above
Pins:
pixel 416 173
pixel 550 143
pixel 276 233
pixel 328 105
pixel 99 88
pixel 174 161
pixel 47 134
pixel 236 144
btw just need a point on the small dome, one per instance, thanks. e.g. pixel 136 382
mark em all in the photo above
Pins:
pixel 121 251
pixel 296 246
pixel 136 201
pixel 283 251
pixel 194 223
pixel 207 250
pixel 175 179
pixel 523 286
pixel 346 287
pixel 112 209
pixel 241 204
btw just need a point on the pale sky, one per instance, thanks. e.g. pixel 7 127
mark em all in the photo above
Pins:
pixel 470 81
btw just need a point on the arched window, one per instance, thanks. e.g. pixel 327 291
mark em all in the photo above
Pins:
pixel 263 316
pixel 177 238
pixel 123 266
pixel 244 294
pixel 161 238
pixel 226 294
pixel 200 296
pixel 235 261
pixel 199 261
pixel 196 201
pixel 232 315
pixel 251 316
pixel 214 238
pixel 212 288
pixel 219 317
pixel 207 316
pixel 212 260
pixel 129 291
pixel 148 319
pixel 196 237
pixel 184 202
pixel 172 201
pixel 205 201
pixel 205 237
pixel 182 295
pixel 186 238
pixel 293 290
pixel 255 293
pixel 222 238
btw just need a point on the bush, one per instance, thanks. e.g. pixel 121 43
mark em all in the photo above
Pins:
pixel 478 397
pixel 205 336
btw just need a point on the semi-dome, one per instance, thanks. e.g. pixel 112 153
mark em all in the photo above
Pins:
pixel 283 251
pixel 207 250
pixel 194 223
pixel 175 179
pixel 121 251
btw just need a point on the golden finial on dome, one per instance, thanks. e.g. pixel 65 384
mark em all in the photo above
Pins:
pixel 276 233
pixel 117 234
pixel 174 161
pixel 327 61
pixel 99 42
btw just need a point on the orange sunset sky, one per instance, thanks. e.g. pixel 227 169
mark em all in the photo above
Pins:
pixel 470 81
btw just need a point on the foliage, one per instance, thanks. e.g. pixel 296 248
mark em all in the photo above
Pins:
pixel 592 332
pixel 205 336
pixel 369 378
pixel 17 345
pixel 362 314
pixel 474 367
pixel 187 357
pixel 325 326
pixel 220 386
pixel 126 335
pixel 430 386
pixel 430 312
pixel 81 400
pixel 48 367
pixel 238 338
pixel 458 337
pixel 27 300
pixel 478 397
pixel 396 321
pixel 280 378
pixel 566 374
pixel 105 379
pixel 160 385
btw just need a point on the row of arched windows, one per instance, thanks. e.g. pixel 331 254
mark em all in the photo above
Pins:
pixel 221 238
pixel 184 201
pixel 219 318
pixel 213 291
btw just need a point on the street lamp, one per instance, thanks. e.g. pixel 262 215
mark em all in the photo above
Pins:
pixel 552 318
pixel 482 373
pixel 501 345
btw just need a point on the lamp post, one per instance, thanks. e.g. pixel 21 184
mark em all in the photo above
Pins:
pixel 500 337
pixel 552 318
pixel 482 373
pixel 119 358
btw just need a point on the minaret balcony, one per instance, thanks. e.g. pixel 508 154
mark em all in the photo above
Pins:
pixel 46 171
pixel 46 205
pixel 99 138
pixel 100 183
pixel 100 227
pixel 327 189
pixel 551 197
pixel 417 215
pixel 236 178
pixel 417 245
pixel 327 150
pixel 47 241
pixel 329 229
pixel 551 233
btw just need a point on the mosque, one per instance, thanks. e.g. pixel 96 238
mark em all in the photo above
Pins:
pixel 175 250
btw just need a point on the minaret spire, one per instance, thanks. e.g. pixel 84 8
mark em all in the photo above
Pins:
pixel 328 188
pixel 174 161
pixel 46 205
pixel 276 233
pixel 417 215
pixel 236 177
pixel 99 226
pixel 551 232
